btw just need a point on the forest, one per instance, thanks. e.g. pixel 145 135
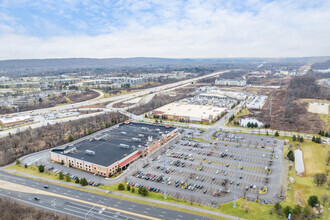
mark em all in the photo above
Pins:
pixel 17 145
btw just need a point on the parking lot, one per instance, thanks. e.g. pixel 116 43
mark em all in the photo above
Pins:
pixel 205 172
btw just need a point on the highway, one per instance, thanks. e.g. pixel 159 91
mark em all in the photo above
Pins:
pixel 120 97
pixel 81 204
pixel 97 100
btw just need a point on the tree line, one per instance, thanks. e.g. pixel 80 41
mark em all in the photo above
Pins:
pixel 17 145
pixel 302 87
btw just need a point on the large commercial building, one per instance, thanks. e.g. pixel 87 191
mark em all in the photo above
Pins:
pixel 115 149
pixel 14 120
pixel 189 112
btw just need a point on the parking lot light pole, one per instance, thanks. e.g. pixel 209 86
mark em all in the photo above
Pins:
pixel 165 175
pixel 235 196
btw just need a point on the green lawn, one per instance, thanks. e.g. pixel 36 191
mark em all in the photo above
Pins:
pixel 315 162
pixel 33 170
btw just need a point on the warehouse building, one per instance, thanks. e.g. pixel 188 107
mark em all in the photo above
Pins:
pixel 189 112
pixel 114 150
pixel 230 82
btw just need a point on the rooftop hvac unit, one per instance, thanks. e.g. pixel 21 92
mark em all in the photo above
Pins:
pixel 124 146
pixel 90 152
pixel 136 139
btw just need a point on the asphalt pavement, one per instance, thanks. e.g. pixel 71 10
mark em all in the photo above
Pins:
pixel 99 207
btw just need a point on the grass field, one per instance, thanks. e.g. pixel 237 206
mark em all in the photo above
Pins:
pixel 33 170
pixel 314 156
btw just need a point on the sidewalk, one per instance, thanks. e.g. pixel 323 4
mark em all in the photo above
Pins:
pixel 125 195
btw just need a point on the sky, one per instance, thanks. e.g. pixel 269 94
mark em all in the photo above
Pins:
pixel 163 28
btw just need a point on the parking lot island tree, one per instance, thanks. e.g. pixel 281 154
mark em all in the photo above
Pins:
pixel 121 186
pixel 41 168
pixel 83 181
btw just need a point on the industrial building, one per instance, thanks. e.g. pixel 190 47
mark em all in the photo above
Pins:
pixel 230 82
pixel 189 112
pixel 114 150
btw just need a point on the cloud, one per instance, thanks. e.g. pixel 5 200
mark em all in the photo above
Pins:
pixel 175 29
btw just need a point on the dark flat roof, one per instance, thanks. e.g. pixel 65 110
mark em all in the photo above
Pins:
pixel 107 144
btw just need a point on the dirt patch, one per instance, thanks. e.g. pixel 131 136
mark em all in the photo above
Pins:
pixel 318 107
pixel 298 197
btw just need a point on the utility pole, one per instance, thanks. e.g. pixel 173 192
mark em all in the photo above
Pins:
pixel 235 195
pixel 165 175
pixel 260 86
pixel 241 102
pixel 271 100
